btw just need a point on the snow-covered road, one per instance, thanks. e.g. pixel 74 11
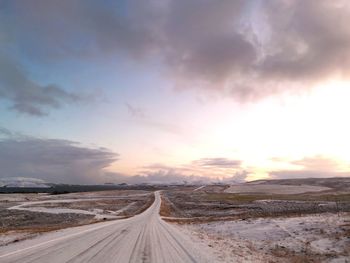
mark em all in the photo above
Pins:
pixel 142 238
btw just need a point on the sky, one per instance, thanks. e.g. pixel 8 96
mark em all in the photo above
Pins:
pixel 174 90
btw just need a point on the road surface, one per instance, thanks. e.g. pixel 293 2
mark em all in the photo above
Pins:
pixel 142 238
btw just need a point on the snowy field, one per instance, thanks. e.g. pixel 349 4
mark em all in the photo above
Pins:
pixel 312 238
pixel 274 189
pixel 261 222
pixel 28 215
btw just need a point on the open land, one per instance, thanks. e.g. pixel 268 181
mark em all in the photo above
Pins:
pixel 299 220
pixel 142 238
pixel 26 215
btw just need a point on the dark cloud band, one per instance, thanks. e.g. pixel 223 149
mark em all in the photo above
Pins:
pixel 57 161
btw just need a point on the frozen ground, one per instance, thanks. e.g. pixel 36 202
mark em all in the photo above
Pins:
pixel 312 238
pixel 224 227
pixel 274 189
pixel 27 215
pixel 37 207
pixel 142 238
pixel 257 199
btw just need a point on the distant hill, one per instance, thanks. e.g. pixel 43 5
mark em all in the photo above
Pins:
pixel 338 183
pixel 25 186
pixel 23 182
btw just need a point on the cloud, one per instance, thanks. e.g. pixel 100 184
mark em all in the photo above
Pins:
pixel 290 174
pixel 218 162
pixel 63 161
pixel 139 115
pixel 205 170
pixel 135 112
pixel 162 177
pixel 245 49
pixel 315 166
pixel 174 176
pixel 5 132
pixel 26 95
pixel 308 40
pixel 318 162
pixel 57 161
pixel 62 29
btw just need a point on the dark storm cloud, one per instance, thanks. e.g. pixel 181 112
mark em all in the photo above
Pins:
pixel 57 161
pixel 27 96
pixel 218 162
pixel 247 49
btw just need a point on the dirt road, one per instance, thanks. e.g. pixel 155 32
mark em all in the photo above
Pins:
pixel 142 238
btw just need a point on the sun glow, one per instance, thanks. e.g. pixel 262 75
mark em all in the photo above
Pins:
pixel 314 123
pixel 266 136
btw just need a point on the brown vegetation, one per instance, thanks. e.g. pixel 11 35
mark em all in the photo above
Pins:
pixel 207 205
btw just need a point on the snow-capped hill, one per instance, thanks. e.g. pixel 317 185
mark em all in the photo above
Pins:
pixel 22 182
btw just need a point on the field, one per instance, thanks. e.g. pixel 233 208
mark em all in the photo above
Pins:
pixel 26 215
pixel 302 220
pixel 206 205
pixel 267 221
pixel 309 238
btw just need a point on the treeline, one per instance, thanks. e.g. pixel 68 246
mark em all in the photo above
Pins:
pixel 64 189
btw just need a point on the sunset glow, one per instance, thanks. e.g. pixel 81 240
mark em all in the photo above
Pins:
pixel 169 90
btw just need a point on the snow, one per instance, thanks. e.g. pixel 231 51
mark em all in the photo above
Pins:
pixel 22 182
pixel 199 188
pixel 14 236
pixel 256 240
pixel 142 238
pixel 274 189
pixel 98 213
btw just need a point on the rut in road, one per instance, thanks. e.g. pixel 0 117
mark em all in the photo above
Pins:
pixel 142 238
